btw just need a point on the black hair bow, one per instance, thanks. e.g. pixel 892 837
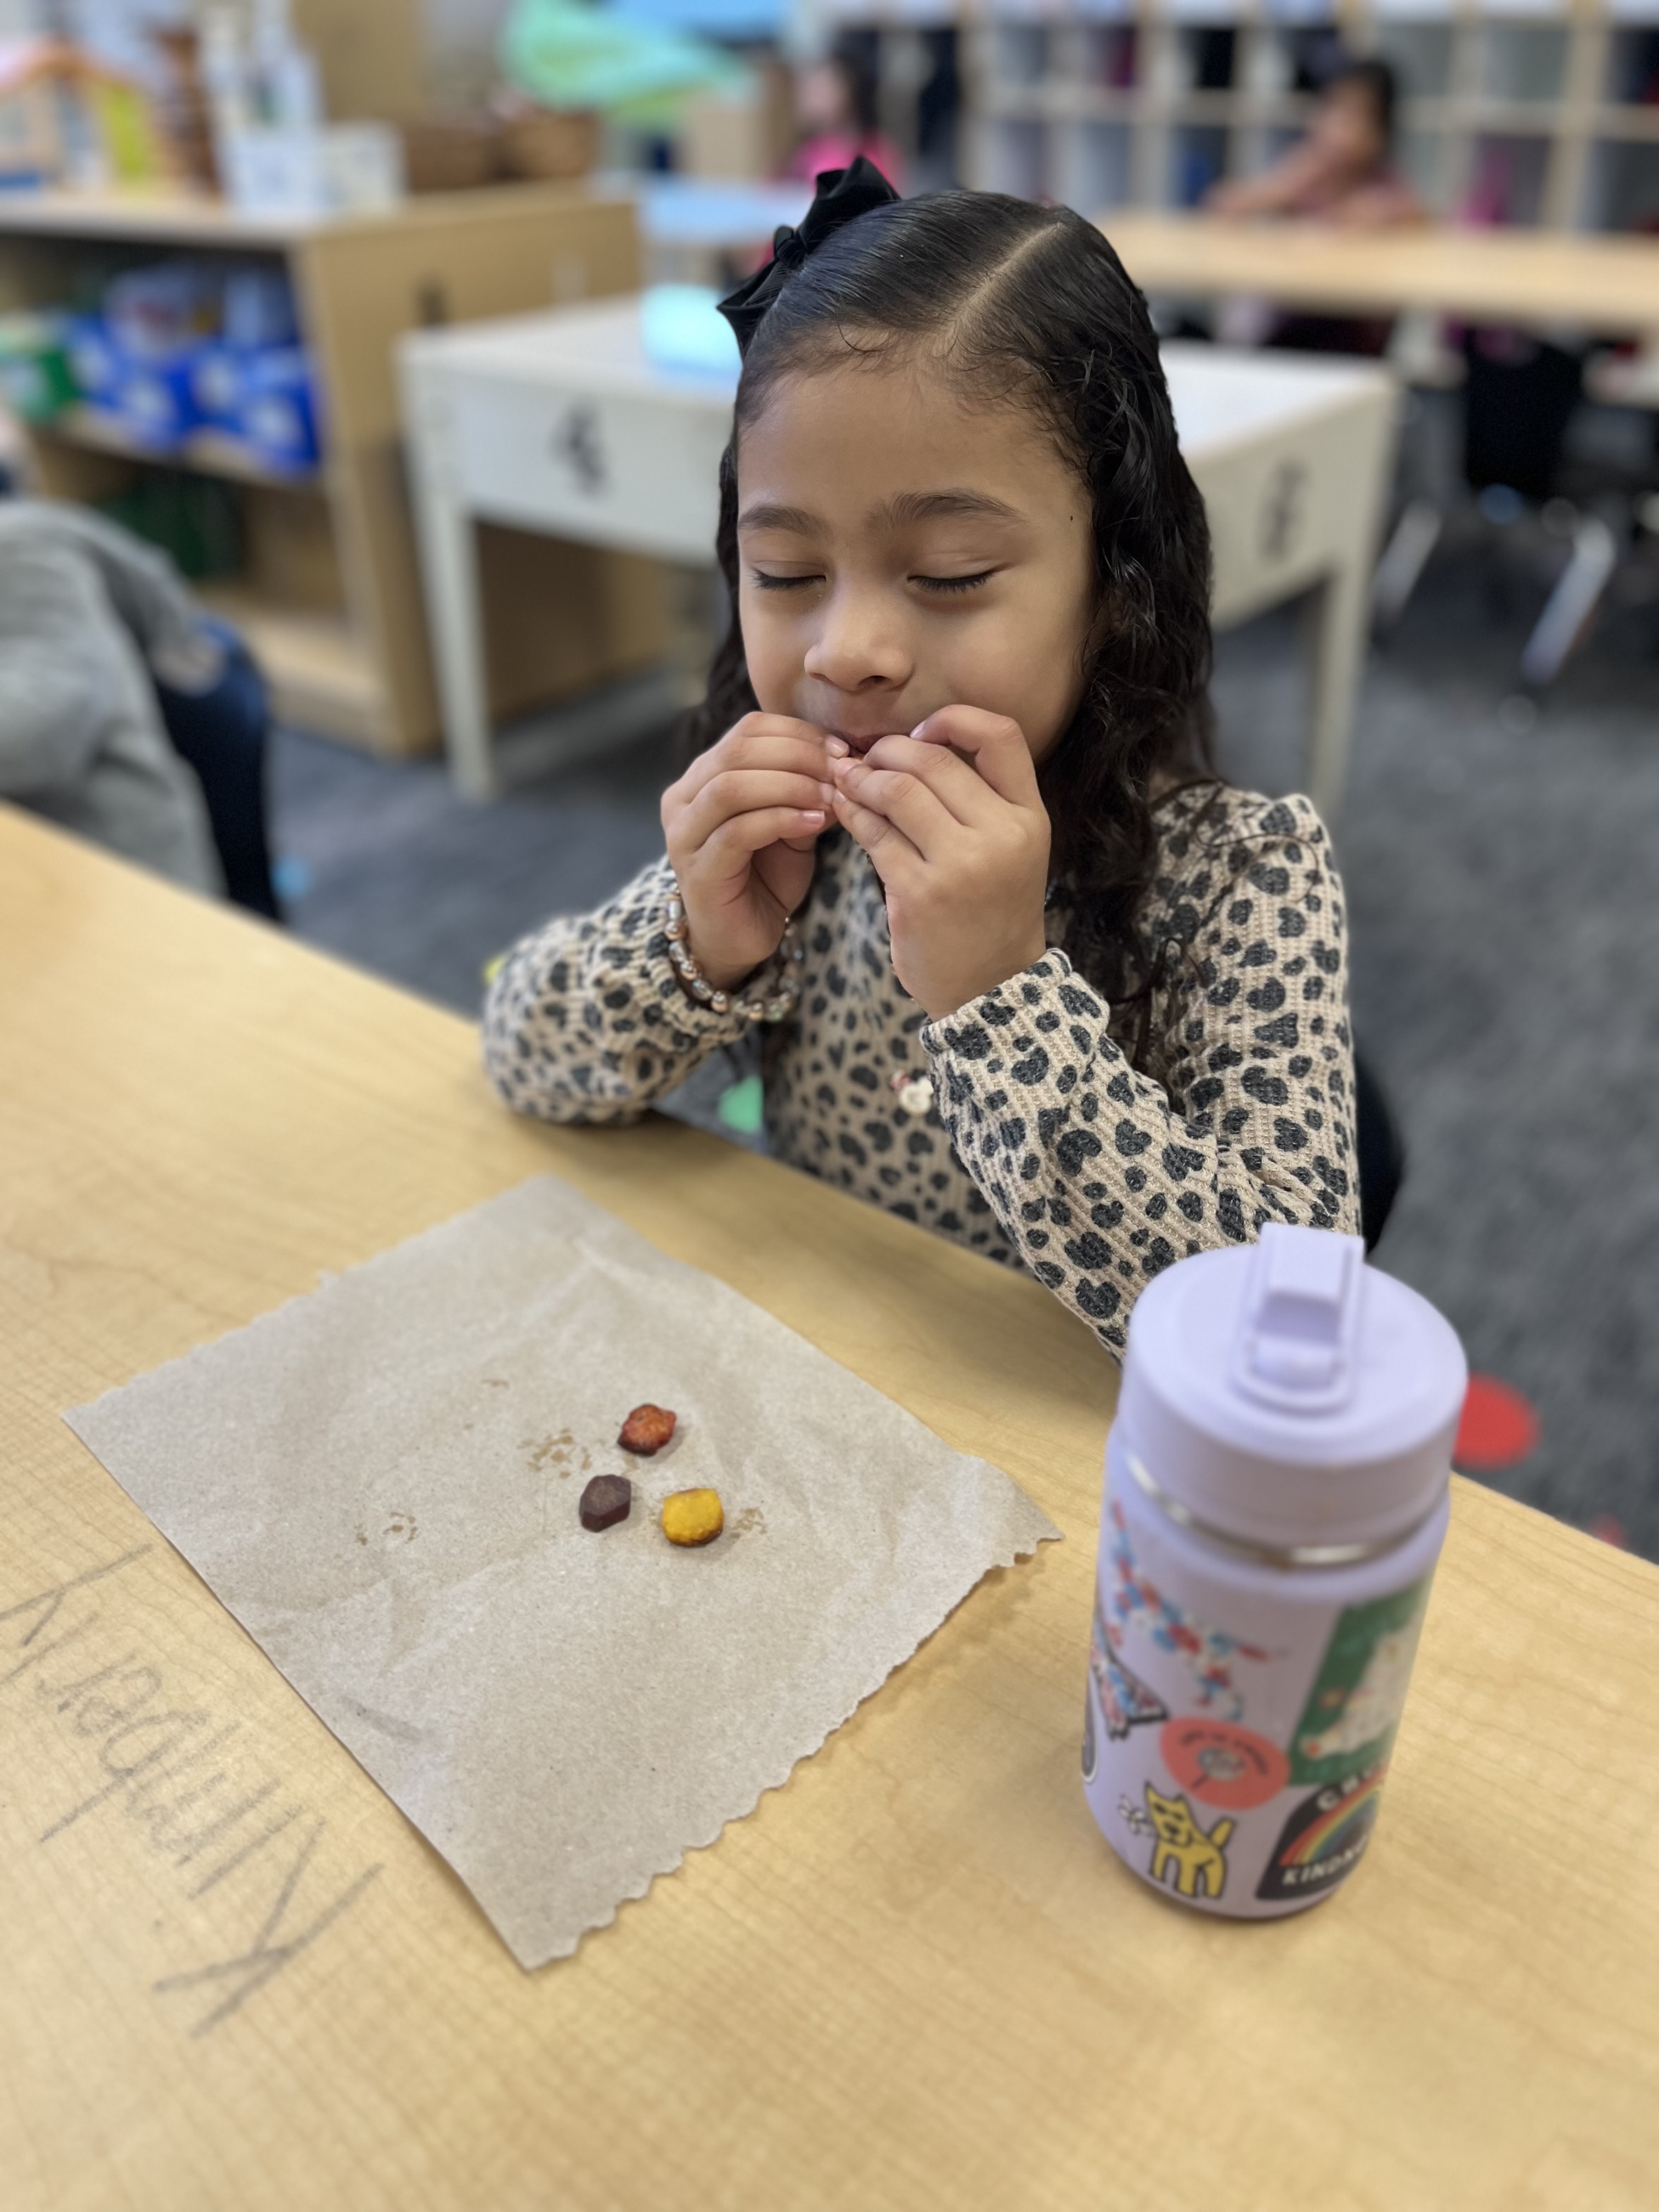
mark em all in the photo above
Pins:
pixel 841 196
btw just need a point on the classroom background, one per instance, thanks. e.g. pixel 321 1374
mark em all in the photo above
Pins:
pixel 390 325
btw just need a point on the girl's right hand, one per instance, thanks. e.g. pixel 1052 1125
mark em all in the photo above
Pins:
pixel 741 825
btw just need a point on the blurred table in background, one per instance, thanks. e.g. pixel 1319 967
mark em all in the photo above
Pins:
pixel 564 423
pixel 1543 280
pixel 1609 286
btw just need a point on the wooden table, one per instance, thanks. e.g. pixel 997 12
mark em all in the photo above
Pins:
pixel 563 421
pixel 1534 278
pixel 916 1977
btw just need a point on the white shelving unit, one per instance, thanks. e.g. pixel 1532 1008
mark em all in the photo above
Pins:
pixel 1531 113
pixel 1525 114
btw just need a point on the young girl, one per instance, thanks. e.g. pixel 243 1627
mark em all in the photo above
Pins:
pixel 1025 973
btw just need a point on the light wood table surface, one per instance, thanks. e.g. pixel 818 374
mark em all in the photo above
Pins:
pixel 1537 278
pixel 916 1977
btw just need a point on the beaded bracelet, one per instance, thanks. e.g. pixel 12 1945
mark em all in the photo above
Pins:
pixel 764 1006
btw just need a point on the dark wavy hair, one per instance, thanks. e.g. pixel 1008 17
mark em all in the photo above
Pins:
pixel 1016 303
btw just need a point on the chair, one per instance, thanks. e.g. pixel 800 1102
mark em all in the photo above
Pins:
pixel 1519 397
pixel 1379 1151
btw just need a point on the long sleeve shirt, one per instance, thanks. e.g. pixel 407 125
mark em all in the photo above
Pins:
pixel 1015 1125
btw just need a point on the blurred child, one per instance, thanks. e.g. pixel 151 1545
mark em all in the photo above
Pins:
pixel 836 114
pixel 1343 170
pixel 126 715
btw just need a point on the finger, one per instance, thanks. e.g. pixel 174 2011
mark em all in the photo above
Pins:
pixel 735 842
pixel 958 786
pixel 906 801
pixel 894 857
pixel 996 745
pixel 748 791
pixel 774 741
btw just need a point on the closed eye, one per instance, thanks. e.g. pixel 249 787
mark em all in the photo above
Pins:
pixel 954 583
pixel 765 582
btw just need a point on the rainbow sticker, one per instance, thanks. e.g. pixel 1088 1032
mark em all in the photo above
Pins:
pixel 1324 1837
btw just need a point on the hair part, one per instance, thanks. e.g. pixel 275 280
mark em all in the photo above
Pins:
pixel 1017 303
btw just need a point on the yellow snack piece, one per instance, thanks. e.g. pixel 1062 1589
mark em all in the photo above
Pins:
pixel 693 1516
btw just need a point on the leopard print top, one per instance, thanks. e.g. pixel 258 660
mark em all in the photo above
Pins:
pixel 1016 1124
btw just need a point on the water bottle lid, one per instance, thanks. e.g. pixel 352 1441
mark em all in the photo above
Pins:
pixel 1286 1395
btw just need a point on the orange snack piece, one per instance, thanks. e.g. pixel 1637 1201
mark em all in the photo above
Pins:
pixel 647 1429
pixel 693 1516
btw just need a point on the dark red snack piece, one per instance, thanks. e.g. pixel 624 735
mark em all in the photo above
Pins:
pixel 647 1429
pixel 606 1500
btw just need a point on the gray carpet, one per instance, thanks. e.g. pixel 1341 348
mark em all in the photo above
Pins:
pixel 1506 965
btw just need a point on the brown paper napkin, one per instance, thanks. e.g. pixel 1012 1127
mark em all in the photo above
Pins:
pixel 381 1482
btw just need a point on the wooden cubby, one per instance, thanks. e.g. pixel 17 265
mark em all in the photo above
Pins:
pixel 328 592
pixel 1549 115
pixel 1527 115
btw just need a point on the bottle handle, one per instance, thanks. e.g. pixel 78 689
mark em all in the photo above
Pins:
pixel 1295 1348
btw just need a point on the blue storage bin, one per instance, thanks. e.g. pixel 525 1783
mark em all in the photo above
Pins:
pixel 217 374
pixel 154 402
pixel 277 414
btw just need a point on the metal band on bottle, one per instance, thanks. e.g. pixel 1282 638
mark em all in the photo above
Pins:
pixel 1272 1555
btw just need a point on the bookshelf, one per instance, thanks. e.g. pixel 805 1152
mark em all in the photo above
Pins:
pixel 1543 115
pixel 1532 116
pixel 328 589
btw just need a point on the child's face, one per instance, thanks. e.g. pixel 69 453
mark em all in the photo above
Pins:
pixel 1347 129
pixel 899 552
pixel 823 103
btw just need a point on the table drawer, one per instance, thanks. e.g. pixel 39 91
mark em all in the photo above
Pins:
pixel 1286 510
pixel 611 470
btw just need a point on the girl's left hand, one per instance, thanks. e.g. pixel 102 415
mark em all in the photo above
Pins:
pixel 962 850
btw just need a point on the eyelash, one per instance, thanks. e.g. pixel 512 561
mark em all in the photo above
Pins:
pixel 941 584
pixel 954 583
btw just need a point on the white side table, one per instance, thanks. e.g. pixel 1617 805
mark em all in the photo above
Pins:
pixel 559 423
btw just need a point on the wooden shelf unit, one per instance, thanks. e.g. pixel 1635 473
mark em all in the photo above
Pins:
pixel 330 596
pixel 208 453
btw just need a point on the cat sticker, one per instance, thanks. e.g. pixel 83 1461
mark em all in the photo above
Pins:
pixel 1197 1856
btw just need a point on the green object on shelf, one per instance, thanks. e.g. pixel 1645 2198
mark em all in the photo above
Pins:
pixel 35 381
pixel 195 518
pixel 742 1106
pixel 570 54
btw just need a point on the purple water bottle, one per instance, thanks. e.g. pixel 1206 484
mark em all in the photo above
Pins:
pixel 1276 1500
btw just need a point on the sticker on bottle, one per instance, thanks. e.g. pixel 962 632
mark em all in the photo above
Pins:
pixel 1224 1765
pixel 1359 1692
pixel 1186 1856
pixel 1209 1654
pixel 1125 1700
pixel 1324 1837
